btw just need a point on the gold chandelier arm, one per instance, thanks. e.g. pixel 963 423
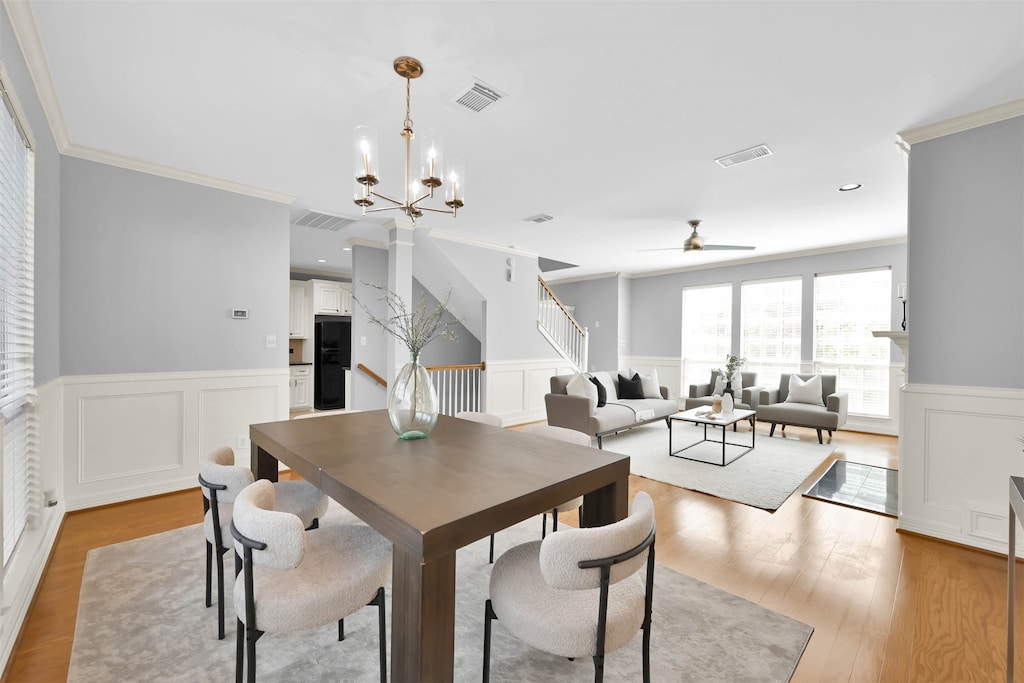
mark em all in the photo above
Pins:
pixel 387 199
pixel 445 211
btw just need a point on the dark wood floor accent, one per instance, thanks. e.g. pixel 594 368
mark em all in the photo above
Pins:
pixel 885 606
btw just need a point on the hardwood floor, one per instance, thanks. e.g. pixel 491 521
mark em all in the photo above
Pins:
pixel 885 606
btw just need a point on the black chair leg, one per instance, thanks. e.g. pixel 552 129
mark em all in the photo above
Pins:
pixel 554 520
pixel 598 668
pixel 341 630
pixel 488 616
pixel 543 525
pixel 220 593
pixel 209 573
pixel 490 558
pixel 379 601
pixel 819 436
pixel 239 649
pixel 772 432
pixel 830 436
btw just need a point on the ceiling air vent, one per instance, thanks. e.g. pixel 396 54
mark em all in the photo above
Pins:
pixel 323 221
pixel 540 218
pixel 477 96
pixel 745 155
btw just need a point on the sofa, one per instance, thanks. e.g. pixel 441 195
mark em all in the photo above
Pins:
pixel 572 409
pixel 827 411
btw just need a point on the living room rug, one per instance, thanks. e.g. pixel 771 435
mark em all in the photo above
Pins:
pixel 141 618
pixel 764 478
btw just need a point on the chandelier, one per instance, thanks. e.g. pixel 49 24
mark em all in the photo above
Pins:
pixel 431 167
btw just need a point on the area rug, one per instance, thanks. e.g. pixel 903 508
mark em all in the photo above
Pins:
pixel 141 618
pixel 764 478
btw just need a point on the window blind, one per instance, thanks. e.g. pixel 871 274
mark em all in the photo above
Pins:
pixel 770 328
pixel 19 443
pixel 847 308
pixel 707 331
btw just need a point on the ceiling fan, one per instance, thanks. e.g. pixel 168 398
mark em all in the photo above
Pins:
pixel 696 243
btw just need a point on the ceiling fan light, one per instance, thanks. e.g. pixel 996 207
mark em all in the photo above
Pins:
pixel 693 243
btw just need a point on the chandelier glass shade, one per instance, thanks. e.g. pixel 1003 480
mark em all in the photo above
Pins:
pixel 430 174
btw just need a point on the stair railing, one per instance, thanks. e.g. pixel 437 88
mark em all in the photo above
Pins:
pixel 557 324
pixel 458 387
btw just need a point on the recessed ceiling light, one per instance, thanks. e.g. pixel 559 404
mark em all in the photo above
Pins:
pixel 321 260
pixel 850 187
pixel 346 248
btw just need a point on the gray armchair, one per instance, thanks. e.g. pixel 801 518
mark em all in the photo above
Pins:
pixel 700 395
pixel 830 415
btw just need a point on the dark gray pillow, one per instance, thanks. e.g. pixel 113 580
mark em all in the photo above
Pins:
pixel 602 394
pixel 631 388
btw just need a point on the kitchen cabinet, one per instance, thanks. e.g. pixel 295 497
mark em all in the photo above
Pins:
pixel 300 387
pixel 332 298
pixel 300 310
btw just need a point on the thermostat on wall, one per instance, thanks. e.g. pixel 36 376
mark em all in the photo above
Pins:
pixel 240 313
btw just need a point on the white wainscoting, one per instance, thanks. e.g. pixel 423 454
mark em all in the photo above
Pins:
pixel 128 436
pixel 958 448
pixel 669 370
pixel 514 390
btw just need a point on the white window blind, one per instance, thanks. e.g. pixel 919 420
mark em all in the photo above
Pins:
pixel 21 499
pixel 770 328
pixel 847 308
pixel 707 331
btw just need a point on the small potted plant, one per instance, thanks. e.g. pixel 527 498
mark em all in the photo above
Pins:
pixel 732 368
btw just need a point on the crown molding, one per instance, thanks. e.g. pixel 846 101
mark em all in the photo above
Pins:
pixel 361 242
pixel 958 124
pixel 152 168
pixel 584 278
pixel 452 237
pixel 23 22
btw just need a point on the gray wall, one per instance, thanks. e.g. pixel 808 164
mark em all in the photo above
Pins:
pixel 597 307
pixel 656 302
pixel 47 215
pixel 511 320
pixel 369 265
pixel 465 350
pixel 151 269
pixel 966 258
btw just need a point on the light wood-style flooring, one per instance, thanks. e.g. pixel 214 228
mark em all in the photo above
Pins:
pixel 885 606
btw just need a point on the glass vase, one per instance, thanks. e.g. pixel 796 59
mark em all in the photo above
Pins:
pixel 412 402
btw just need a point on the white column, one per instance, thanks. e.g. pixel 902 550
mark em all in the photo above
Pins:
pixel 400 243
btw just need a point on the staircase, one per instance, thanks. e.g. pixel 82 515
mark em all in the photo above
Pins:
pixel 557 325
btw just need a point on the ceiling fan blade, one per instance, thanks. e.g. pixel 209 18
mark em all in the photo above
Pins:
pixel 663 249
pixel 726 247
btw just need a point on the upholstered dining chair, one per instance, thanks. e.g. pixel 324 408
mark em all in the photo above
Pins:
pixel 294 580
pixel 567 436
pixel 484 419
pixel 580 592
pixel 221 481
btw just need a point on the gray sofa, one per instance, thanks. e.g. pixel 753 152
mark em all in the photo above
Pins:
pixel 617 415
pixel 831 415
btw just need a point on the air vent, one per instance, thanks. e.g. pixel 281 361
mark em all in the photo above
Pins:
pixel 323 221
pixel 745 155
pixel 477 96
pixel 540 218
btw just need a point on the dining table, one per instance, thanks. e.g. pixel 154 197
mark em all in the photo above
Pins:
pixel 432 496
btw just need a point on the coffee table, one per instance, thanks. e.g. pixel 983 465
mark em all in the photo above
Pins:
pixel 704 416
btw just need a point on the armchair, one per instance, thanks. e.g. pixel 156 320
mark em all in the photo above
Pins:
pixel 778 407
pixel 700 394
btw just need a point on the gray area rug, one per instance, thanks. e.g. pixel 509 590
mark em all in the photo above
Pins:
pixel 141 618
pixel 764 478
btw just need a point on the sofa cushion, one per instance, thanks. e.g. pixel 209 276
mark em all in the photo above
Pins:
pixel 652 387
pixel 631 387
pixel 609 385
pixel 580 385
pixel 800 414
pixel 808 392
pixel 602 394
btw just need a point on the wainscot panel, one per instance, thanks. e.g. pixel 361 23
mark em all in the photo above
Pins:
pixel 516 389
pixel 128 436
pixel 958 449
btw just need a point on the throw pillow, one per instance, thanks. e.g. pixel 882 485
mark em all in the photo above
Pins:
pixel 652 387
pixel 602 395
pixel 719 387
pixel 609 385
pixel 580 385
pixel 631 388
pixel 737 384
pixel 805 392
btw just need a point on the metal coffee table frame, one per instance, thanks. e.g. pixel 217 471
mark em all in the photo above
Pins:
pixel 723 421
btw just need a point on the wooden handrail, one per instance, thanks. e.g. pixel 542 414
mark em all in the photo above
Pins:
pixel 373 375
pixel 474 366
pixel 565 310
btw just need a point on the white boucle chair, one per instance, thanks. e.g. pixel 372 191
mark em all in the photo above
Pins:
pixel 293 579
pixel 567 436
pixel 579 592
pixel 221 481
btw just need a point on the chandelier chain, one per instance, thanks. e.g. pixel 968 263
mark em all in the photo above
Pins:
pixel 408 105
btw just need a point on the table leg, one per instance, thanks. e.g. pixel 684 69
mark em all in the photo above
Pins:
pixel 422 617
pixel 263 464
pixel 606 505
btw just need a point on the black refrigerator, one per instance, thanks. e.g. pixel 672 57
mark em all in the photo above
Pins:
pixel 331 358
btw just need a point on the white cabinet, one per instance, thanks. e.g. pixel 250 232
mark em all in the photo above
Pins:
pixel 300 309
pixel 332 298
pixel 300 387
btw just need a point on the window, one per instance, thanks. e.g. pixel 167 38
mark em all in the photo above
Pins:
pixel 847 307
pixel 17 256
pixel 770 328
pixel 707 331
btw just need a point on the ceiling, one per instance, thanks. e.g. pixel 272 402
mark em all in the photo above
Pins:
pixel 613 115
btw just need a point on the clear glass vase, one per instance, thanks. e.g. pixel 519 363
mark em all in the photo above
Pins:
pixel 412 402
